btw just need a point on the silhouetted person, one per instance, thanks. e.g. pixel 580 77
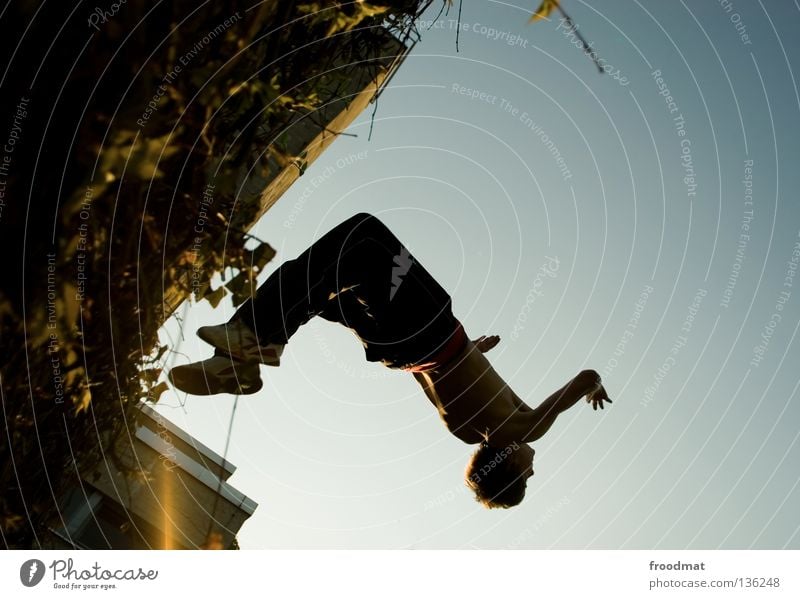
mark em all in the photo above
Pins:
pixel 360 275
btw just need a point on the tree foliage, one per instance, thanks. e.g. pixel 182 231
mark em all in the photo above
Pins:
pixel 146 136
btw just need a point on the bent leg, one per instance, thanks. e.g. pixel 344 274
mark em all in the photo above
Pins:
pixel 361 256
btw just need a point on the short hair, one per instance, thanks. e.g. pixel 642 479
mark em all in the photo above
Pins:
pixel 495 480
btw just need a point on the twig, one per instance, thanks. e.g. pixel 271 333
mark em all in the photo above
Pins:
pixel 458 24
pixel 587 49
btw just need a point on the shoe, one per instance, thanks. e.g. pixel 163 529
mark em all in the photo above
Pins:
pixel 219 374
pixel 239 341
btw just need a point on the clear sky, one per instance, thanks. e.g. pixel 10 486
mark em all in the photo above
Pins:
pixel 594 221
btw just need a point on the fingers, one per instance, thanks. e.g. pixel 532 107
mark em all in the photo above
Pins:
pixel 598 399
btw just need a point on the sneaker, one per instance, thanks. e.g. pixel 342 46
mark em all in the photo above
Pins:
pixel 239 341
pixel 219 374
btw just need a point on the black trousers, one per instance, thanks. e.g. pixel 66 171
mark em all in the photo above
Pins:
pixel 360 275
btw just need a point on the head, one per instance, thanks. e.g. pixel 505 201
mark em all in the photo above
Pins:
pixel 499 475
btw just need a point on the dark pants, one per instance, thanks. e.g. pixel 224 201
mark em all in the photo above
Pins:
pixel 360 275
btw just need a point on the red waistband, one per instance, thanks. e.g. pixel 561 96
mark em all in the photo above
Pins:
pixel 450 350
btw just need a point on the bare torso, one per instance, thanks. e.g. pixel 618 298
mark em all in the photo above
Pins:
pixel 472 399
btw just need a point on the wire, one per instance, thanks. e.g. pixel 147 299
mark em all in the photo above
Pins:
pixel 224 465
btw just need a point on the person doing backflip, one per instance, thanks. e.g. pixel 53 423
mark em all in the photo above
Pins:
pixel 360 275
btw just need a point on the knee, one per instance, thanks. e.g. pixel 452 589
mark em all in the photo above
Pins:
pixel 370 225
pixel 365 217
pixel 362 227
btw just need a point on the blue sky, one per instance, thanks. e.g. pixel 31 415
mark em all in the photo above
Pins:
pixel 668 286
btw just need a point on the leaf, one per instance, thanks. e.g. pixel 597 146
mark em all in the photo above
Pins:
pixel 140 159
pixel 73 375
pixel 12 522
pixel 6 309
pixel 70 305
pixel 154 394
pixel 161 351
pixel 82 400
pixel 260 256
pixel 200 291
pixel 362 11
pixel 544 10
pixel 215 297
pixel 239 286
pixel 150 375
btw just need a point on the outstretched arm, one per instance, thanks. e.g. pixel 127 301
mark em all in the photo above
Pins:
pixel 528 426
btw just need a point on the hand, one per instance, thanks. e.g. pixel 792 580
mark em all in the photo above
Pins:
pixel 484 343
pixel 597 397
